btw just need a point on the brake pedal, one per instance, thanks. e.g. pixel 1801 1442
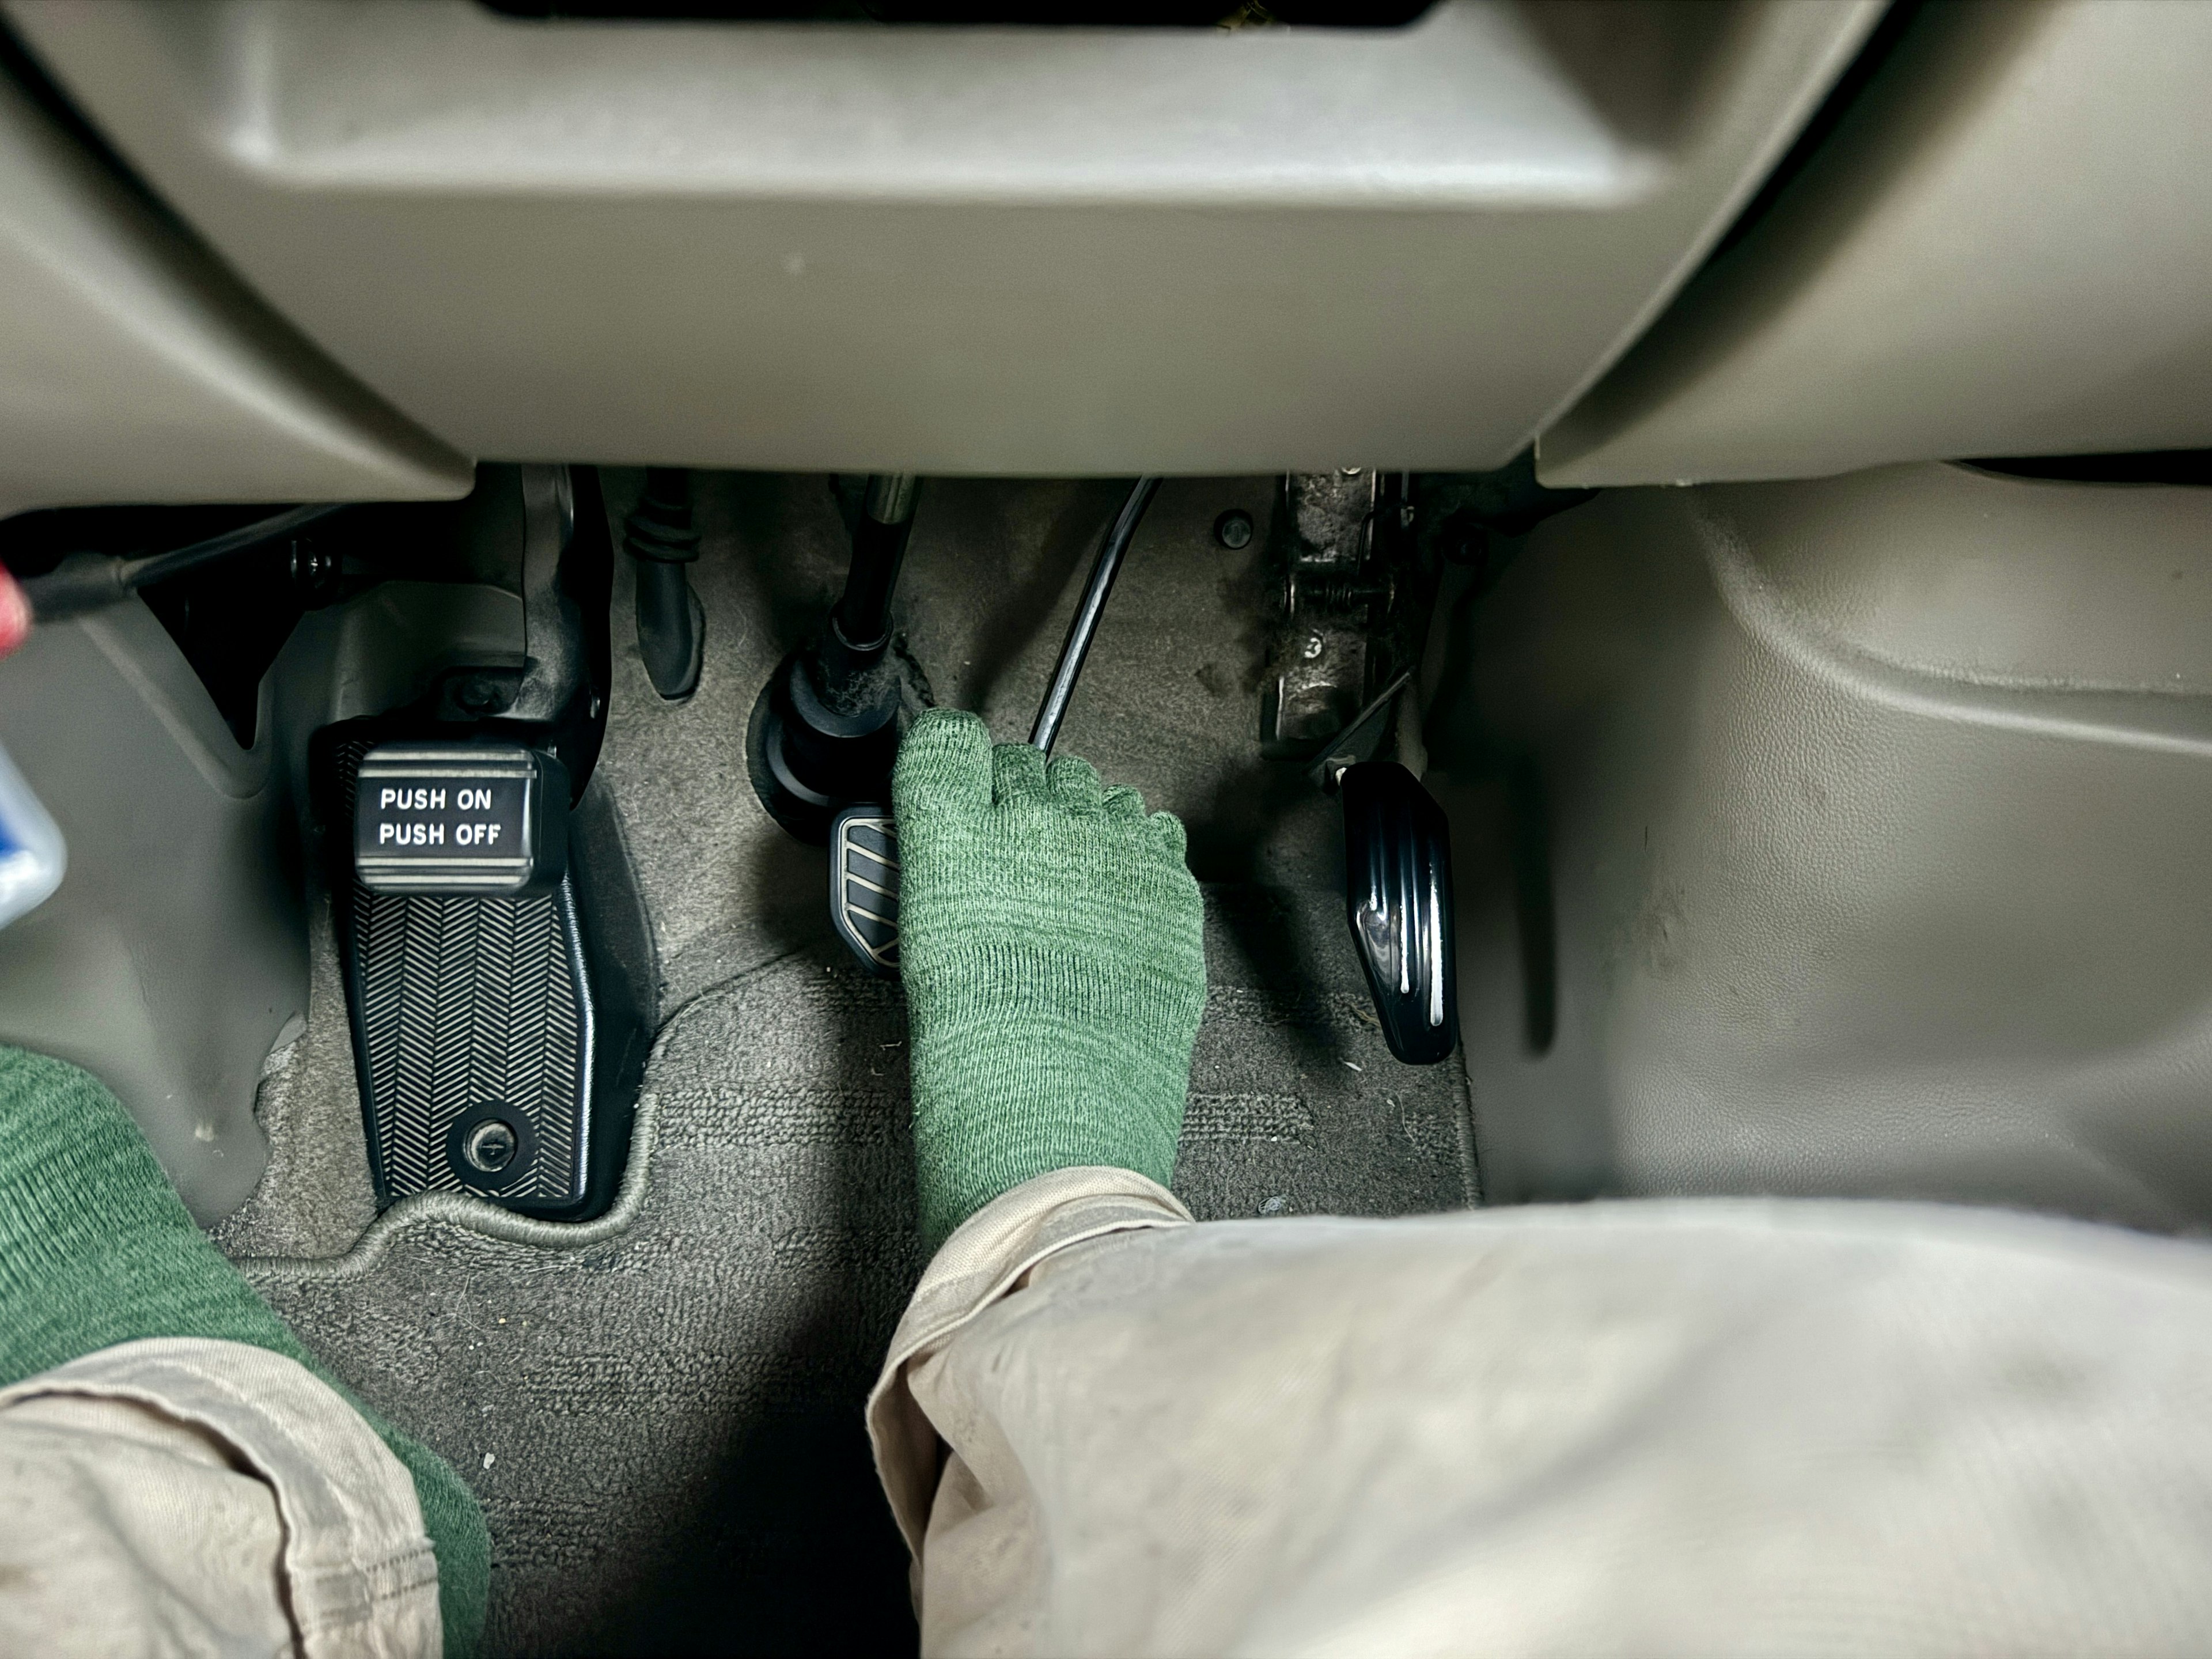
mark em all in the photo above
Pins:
pixel 864 871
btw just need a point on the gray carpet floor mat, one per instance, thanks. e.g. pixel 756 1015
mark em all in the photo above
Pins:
pixel 664 1423
pixel 661 1411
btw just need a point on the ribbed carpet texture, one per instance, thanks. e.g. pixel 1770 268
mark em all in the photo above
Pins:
pixel 661 1411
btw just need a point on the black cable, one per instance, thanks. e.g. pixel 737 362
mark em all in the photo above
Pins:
pixel 90 581
pixel 1086 624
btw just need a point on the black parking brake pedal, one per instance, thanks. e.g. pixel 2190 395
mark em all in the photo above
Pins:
pixel 497 963
pixel 863 870
pixel 475 1031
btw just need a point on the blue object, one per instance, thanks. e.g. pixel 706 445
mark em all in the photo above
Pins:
pixel 32 853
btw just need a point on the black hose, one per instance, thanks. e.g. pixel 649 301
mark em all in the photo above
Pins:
pixel 1084 626
pixel 662 541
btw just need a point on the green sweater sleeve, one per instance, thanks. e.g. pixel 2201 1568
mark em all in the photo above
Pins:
pixel 97 1248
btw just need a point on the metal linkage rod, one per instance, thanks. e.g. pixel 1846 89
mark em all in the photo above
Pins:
pixel 1081 630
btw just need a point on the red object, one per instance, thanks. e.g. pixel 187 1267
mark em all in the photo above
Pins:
pixel 14 613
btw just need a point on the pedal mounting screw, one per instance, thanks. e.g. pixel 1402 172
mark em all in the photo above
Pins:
pixel 491 1146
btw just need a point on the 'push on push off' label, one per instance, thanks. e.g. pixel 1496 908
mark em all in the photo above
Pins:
pixel 458 817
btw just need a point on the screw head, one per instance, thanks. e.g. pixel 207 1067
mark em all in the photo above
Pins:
pixel 479 693
pixel 1233 529
pixel 314 569
pixel 491 1146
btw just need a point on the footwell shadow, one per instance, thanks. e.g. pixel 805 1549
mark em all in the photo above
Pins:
pixel 786 1545
pixel 1277 947
pixel 1238 818
pixel 795 1551
pixel 1529 821
pixel 789 536
pixel 787 886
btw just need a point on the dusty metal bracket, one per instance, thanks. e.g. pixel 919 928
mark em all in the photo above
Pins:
pixel 1361 739
pixel 1341 553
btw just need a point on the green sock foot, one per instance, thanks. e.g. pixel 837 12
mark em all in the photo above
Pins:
pixel 1051 942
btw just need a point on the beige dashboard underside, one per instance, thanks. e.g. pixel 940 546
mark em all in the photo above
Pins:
pixel 340 248
pixel 1042 251
pixel 2004 248
pixel 135 368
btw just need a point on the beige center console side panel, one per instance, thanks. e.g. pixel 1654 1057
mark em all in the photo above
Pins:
pixel 1042 251
pixel 2003 248
pixel 1862 831
pixel 134 369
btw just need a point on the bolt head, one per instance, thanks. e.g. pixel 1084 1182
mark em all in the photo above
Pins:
pixel 491 1146
pixel 479 693
pixel 1233 529
pixel 314 569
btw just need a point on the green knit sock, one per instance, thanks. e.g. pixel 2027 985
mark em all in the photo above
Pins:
pixel 1050 940
pixel 97 1248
